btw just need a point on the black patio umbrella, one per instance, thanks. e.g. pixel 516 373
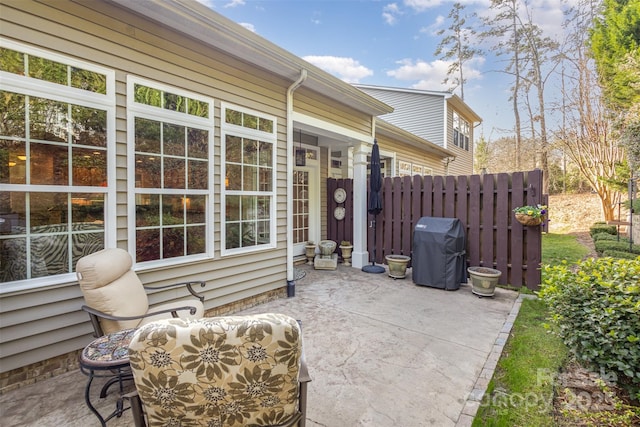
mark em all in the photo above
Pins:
pixel 374 207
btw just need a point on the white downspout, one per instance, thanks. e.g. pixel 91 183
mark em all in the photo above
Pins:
pixel 290 157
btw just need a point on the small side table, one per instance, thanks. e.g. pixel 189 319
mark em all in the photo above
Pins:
pixel 107 357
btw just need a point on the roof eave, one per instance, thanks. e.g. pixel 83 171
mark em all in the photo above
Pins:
pixel 454 99
pixel 208 27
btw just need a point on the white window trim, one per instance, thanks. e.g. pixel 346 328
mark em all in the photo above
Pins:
pixel 313 166
pixel 134 110
pixel 235 130
pixel 40 88
pixel 463 124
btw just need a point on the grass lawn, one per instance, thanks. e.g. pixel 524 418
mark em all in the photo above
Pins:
pixel 521 391
pixel 559 247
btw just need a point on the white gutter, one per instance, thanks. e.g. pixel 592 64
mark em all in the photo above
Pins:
pixel 290 157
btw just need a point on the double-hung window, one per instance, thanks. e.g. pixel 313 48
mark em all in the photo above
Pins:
pixel 461 130
pixel 249 150
pixel 170 172
pixel 57 162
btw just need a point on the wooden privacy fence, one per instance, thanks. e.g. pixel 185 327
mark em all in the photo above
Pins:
pixel 483 203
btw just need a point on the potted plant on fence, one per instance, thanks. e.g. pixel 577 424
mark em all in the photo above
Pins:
pixel 346 247
pixel 531 215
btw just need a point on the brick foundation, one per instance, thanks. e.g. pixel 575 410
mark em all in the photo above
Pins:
pixel 12 380
pixel 39 371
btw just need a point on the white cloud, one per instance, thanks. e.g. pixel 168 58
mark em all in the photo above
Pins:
pixel 431 75
pixel 422 5
pixel 390 13
pixel 248 26
pixel 428 74
pixel 315 18
pixel 347 69
pixel 234 3
pixel 432 30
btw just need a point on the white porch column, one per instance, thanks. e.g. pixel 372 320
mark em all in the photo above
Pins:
pixel 360 256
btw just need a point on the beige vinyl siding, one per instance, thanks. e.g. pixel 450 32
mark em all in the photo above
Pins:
pixel 463 163
pixel 49 319
pixel 407 153
pixel 318 106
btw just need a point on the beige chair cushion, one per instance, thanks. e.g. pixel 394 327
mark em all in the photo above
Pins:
pixel 109 285
pixel 224 371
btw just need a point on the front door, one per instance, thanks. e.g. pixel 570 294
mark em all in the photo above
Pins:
pixel 306 200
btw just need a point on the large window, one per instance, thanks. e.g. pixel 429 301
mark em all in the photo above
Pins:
pixel 170 149
pixel 56 145
pixel 461 131
pixel 249 142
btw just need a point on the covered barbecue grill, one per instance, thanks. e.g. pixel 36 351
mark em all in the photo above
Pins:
pixel 439 253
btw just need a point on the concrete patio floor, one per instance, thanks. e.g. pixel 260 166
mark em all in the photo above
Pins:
pixel 381 352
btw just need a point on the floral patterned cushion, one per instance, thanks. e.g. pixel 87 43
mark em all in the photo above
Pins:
pixel 225 371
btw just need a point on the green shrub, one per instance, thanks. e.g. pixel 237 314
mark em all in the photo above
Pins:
pixel 596 307
pixel 604 236
pixel 601 227
pixel 619 254
pixel 605 245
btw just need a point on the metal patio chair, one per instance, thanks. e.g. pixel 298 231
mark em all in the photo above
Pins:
pixel 116 299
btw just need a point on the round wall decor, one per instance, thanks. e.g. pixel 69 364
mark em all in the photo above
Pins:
pixel 339 213
pixel 339 195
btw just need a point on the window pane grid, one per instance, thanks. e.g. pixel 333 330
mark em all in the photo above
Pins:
pixel 52 71
pixel 171 177
pixel 46 233
pixel 461 130
pixel 182 216
pixel 301 206
pixel 170 101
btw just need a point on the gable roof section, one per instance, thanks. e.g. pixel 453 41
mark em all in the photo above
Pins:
pixel 206 26
pixel 394 132
pixel 452 98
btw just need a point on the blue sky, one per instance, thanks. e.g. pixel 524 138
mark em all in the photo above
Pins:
pixel 386 43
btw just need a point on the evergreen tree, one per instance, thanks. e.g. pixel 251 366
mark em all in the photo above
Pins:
pixel 456 47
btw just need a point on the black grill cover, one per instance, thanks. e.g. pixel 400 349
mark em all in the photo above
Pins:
pixel 439 253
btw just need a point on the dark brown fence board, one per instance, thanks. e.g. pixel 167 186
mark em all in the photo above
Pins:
pixel 406 239
pixel 487 218
pixel 438 188
pixel 484 204
pixel 396 235
pixel 534 236
pixel 385 245
pixel 427 196
pixel 473 226
pixel 332 230
pixel 461 199
pixel 417 192
pixel 450 197
pixel 502 225
pixel 517 237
